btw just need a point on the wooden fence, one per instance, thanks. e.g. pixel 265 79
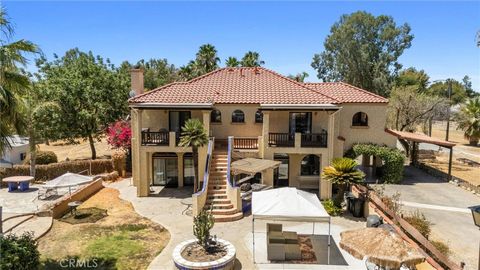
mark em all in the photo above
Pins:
pixel 408 232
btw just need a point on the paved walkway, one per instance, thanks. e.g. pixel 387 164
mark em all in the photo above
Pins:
pixel 447 207
pixel 166 209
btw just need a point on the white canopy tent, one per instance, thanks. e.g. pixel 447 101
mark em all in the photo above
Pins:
pixel 68 180
pixel 288 204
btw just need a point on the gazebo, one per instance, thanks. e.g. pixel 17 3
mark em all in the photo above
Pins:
pixel 288 204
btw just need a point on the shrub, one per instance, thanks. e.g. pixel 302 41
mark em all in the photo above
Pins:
pixel 418 220
pixel 202 224
pixel 19 252
pixel 119 161
pixel 442 247
pixel 392 202
pixel 392 170
pixel 331 208
pixel 119 135
pixel 51 171
pixel 46 157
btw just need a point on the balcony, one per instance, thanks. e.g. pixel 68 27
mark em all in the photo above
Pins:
pixel 314 139
pixel 318 140
pixel 159 138
pixel 281 140
pixel 245 143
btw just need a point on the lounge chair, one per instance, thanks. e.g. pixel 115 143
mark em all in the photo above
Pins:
pixel 45 193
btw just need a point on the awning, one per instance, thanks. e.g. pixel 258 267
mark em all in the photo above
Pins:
pixel 252 166
pixel 418 137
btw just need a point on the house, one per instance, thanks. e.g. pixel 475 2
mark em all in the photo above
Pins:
pixel 271 117
pixel 18 150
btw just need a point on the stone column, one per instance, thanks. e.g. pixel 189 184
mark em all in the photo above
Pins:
pixel 180 168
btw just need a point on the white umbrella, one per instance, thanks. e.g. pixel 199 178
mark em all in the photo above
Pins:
pixel 68 180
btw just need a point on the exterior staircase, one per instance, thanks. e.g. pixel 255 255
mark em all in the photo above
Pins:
pixel 222 209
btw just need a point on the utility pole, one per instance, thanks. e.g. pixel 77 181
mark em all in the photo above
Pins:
pixel 448 109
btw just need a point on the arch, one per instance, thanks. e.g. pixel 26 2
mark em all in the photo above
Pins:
pixel 215 116
pixel 238 116
pixel 360 119
pixel 310 165
pixel 258 116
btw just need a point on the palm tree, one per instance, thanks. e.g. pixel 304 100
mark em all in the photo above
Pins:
pixel 300 77
pixel 12 80
pixel 194 135
pixel 251 59
pixel 232 62
pixel 468 120
pixel 342 172
pixel 206 59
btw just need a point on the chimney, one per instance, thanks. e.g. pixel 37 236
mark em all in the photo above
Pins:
pixel 136 76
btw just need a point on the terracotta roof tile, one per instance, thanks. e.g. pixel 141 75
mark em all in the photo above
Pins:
pixel 347 93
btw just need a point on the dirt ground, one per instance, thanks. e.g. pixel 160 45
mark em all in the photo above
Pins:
pixel 125 237
pixel 460 170
pixel 76 151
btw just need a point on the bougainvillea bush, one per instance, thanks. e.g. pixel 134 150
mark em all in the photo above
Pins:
pixel 119 135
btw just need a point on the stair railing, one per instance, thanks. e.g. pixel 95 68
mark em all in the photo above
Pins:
pixel 233 192
pixel 199 198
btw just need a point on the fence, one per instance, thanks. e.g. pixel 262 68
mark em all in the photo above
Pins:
pixel 437 259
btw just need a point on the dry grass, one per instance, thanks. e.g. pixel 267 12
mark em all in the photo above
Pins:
pixel 124 237
pixel 76 151
pixel 460 170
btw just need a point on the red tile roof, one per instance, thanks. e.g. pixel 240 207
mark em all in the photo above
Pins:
pixel 250 85
pixel 346 93
pixel 419 137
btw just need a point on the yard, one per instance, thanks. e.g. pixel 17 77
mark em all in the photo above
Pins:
pixel 121 240
pixel 79 150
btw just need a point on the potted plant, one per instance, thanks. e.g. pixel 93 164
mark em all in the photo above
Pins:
pixel 206 251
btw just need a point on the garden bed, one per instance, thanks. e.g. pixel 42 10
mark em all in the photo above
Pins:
pixel 121 240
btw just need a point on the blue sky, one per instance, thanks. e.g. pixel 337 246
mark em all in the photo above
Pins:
pixel 286 34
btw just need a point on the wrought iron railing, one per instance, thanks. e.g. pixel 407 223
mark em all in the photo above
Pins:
pixel 314 139
pixel 155 138
pixel 281 139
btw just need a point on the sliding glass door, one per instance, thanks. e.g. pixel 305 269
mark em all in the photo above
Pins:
pixel 300 122
pixel 165 171
pixel 188 170
pixel 177 120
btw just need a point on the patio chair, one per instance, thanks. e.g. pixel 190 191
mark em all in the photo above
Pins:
pixel 45 193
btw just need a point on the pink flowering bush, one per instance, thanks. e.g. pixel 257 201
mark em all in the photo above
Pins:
pixel 119 135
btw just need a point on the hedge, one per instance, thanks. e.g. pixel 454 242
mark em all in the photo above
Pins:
pixel 392 170
pixel 53 170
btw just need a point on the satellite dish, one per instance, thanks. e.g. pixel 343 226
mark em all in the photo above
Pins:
pixel 132 93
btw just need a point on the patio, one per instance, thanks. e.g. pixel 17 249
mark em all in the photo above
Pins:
pixel 165 208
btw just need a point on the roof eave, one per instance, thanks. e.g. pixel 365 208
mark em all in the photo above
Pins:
pixel 326 106
pixel 147 105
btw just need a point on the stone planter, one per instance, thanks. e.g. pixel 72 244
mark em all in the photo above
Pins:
pixel 227 262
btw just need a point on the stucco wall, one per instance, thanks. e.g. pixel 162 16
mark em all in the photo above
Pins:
pixel 227 128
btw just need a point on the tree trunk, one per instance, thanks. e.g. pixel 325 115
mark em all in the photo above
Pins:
pixel 406 146
pixel 195 168
pixel 338 200
pixel 47 142
pixel 92 146
pixel 33 151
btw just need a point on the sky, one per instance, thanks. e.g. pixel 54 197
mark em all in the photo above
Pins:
pixel 286 34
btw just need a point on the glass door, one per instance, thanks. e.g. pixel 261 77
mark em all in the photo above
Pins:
pixel 165 171
pixel 177 120
pixel 280 177
pixel 188 170
pixel 159 172
pixel 300 122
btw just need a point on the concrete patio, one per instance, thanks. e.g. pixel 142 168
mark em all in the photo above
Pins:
pixel 165 208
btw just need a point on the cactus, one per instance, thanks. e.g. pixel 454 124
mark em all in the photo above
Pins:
pixel 202 224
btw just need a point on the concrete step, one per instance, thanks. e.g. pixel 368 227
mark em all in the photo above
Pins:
pixel 9 224
pixel 37 225
pixel 216 191
pixel 228 218
pixel 224 212
pixel 219 206
pixel 213 196
pixel 218 201
pixel 217 188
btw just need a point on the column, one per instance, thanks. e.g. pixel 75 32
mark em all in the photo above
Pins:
pixel 136 145
pixel 202 151
pixel 143 188
pixel 325 186
pixel 180 168
pixel 265 131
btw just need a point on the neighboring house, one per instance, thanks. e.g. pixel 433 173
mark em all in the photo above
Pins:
pixel 18 151
pixel 302 125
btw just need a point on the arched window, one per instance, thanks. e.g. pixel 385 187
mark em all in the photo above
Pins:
pixel 216 116
pixel 310 165
pixel 238 116
pixel 360 119
pixel 259 117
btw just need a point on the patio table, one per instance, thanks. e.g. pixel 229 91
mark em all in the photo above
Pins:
pixel 15 181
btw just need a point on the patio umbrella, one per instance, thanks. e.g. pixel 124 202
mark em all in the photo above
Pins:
pixel 68 180
pixel 381 247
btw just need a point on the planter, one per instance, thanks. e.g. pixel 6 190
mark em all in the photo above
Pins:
pixel 226 262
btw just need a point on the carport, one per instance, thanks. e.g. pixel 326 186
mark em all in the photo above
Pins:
pixel 422 138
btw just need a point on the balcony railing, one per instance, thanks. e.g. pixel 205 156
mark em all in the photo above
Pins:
pixel 314 139
pixel 245 143
pixel 155 138
pixel 281 139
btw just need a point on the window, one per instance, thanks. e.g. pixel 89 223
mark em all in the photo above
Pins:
pixel 259 117
pixel 216 116
pixel 360 119
pixel 238 116
pixel 310 165
pixel 23 156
